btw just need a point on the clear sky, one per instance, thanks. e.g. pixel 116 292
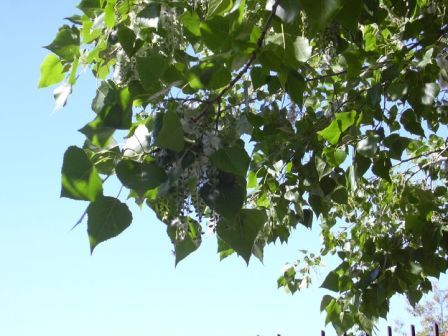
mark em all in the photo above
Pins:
pixel 49 283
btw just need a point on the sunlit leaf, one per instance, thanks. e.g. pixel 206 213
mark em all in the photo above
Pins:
pixel 51 71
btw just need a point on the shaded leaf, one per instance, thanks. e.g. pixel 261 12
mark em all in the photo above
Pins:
pixel 226 198
pixel 90 7
pixel 140 176
pixel 107 218
pixel 185 241
pixel 321 12
pixel 66 43
pixel 331 282
pixel 411 122
pixel 171 135
pixel 80 179
pixel 295 85
pixel 234 160
pixel 113 106
pixel 241 233
pixel 381 168
pixel 151 69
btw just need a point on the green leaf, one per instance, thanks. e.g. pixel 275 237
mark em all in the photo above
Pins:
pixel 326 299
pixel 411 122
pixel 339 125
pixel 340 195
pixel 107 218
pixel 227 197
pixel 369 38
pixel 331 282
pixel 80 180
pixel 140 176
pixel 302 49
pixel 234 160
pixel 219 7
pixel 295 85
pixel 259 77
pixel 66 43
pixel 224 249
pixel 362 164
pixel 415 224
pixel 216 33
pixel 109 15
pixel 90 7
pixel 51 71
pixel 209 76
pixel 252 180
pixel 322 167
pixel 128 41
pixel 321 12
pixel 97 134
pixel 113 106
pixel 307 218
pixel 396 144
pixel 104 160
pixel 151 69
pixel 334 156
pixel 192 22
pixel 241 232
pixel 381 168
pixel 171 135
pixel 185 241
pixel 352 60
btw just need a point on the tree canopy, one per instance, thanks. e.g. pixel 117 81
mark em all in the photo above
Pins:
pixel 253 117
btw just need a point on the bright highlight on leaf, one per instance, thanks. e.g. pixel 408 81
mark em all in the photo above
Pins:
pixel 51 71
pixel 339 125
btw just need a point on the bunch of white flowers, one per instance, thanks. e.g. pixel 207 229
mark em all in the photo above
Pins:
pixel 210 143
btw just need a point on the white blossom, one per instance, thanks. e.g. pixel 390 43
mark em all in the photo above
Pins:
pixel 211 143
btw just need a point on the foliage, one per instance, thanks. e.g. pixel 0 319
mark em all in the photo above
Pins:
pixel 434 309
pixel 252 117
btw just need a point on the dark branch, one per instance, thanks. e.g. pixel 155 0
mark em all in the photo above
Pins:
pixel 246 66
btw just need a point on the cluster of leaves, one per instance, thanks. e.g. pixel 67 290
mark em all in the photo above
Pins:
pixel 251 117
pixel 433 310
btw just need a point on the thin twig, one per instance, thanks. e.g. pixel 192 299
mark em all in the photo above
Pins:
pixel 420 155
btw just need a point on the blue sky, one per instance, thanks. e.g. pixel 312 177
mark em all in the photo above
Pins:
pixel 49 283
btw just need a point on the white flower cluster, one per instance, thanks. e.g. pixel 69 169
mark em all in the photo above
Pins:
pixel 124 68
pixel 210 143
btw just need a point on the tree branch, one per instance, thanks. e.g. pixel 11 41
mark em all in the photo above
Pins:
pixel 246 66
